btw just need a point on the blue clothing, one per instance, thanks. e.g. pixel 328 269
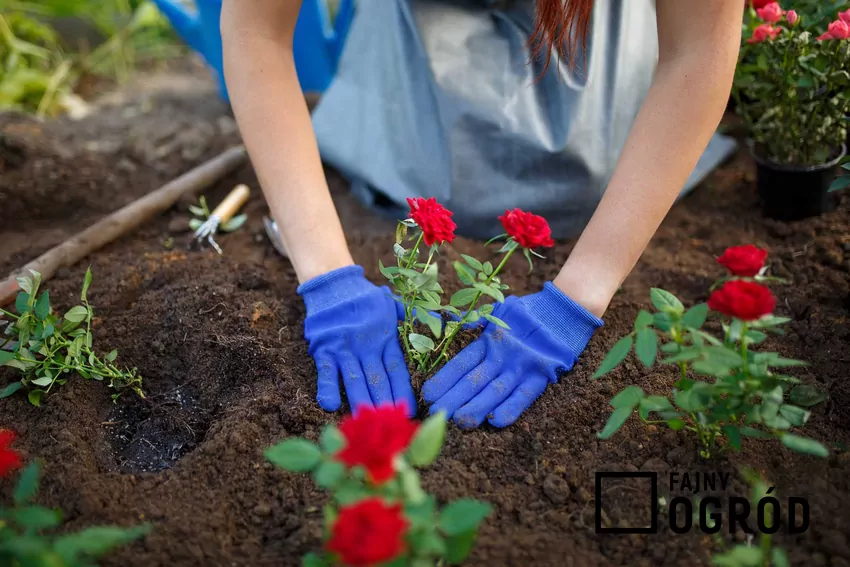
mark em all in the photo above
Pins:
pixel 436 98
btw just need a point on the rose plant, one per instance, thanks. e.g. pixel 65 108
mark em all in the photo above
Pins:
pixel 45 347
pixel 792 86
pixel 416 286
pixel 725 390
pixel 378 513
pixel 22 525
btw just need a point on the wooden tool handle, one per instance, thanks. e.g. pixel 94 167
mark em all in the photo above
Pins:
pixel 125 220
pixel 232 203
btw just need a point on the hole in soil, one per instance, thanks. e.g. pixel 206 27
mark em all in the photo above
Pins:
pixel 154 434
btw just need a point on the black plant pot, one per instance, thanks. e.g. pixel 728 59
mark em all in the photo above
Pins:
pixel 790 192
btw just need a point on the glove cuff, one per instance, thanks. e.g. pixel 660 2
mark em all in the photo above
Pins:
pixel 333 288
pixel 568 321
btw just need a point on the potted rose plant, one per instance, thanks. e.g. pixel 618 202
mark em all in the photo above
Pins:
pixel 792 90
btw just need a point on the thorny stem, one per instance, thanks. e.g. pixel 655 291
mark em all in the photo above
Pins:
pixel 448 340
pixel 407 326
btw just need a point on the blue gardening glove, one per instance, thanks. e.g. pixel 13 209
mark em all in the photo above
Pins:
pixel 352 330
pixel 503 372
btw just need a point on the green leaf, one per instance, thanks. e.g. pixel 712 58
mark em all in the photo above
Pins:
pixel 27 484
pixel 740 556
pixel 331 440
pixel 76 314
pixel 615 356
pixel 615 422
pixel 35 397
pixel 43 381
pixel 804 445
pixel 676 424
pixel 313 560
pixel 22 303
pixel 421 514
pixel 113 354
pixel 10 389
pixel 734 435
pixel 630 397
pixel 433 323
pixel 805 395
pixel 235 223
pixel 42 306
pixel 462 516
pixel 458 547
pixel 491 291
pixel 779 557
pixel 488 268
pixel 195 224
pixel 329 473
pixel 665 301
pixel 428 440
pixel 495 320
pixel 644 319
pixel 656 403
pixel 755 433
pixel 96 541
pixel 37 518
pixel 473 262
pixel 796 416
pixel 410 486
pixel 463 297
pixel 427 542
pixel 646 346
pixel 420 343
pixel 695 316
pixel 840 183
pixel 295 455
pixel 465 275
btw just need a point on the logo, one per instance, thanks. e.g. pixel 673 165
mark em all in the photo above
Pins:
pixel 629 503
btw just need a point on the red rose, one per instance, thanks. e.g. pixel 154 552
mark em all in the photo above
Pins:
pixel 757 4
pixel 9 460
pixel 368 533
pixel 743 300
pixel 529 230
pixel 764 32
pixel 771 13
pixel 746 261
pixel 433 219
pixel 374 436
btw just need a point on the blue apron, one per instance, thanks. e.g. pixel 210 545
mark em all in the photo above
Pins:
pixel 437 98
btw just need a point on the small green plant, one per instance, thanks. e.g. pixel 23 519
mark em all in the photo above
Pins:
pixel 23 541
pixel 744 394
pixel 202 212
pixel 378 513
pixel 764 554
pixel 45 347
pixel 416 284
pixel 843 180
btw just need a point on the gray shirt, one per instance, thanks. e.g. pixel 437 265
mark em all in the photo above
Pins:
pixel 437 98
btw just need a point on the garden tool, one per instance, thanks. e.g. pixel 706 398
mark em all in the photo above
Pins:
pixel 274 235
pixel 221 214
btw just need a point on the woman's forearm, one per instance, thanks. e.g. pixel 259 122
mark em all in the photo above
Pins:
pixel 275 125
pixel 680 113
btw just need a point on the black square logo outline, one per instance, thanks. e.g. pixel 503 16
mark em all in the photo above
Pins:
pixel 653 527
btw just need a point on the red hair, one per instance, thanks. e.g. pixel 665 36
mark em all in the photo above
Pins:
pixel 560 25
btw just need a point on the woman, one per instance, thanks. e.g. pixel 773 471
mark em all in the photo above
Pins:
pixel 437 98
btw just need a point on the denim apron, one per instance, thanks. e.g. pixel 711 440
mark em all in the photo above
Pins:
pixel 438 98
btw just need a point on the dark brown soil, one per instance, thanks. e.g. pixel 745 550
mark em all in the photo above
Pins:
pixel 218 340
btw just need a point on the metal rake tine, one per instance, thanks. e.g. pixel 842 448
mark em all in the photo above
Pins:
pixel 214 244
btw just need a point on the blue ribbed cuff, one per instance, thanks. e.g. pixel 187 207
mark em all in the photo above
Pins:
pixel 334 287
pixel 568 321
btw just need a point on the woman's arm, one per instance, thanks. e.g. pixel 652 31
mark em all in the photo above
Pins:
pixel 698 50
pixel 275 125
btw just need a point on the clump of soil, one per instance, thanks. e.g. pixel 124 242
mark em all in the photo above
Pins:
pixel 218 341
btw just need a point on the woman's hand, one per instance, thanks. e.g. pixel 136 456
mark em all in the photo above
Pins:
pixel 352 328
pixel 504 371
